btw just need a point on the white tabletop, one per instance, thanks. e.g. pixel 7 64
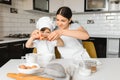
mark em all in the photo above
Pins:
pixel 108 70
pixel 11 67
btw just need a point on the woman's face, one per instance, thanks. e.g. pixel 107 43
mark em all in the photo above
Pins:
pixel 62 22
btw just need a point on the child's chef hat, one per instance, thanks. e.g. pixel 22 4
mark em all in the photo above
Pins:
pixel 45 22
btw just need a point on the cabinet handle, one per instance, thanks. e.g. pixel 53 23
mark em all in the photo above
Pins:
pixel 92 39
pixel 23 45
pixel 3 47
pixel 17 44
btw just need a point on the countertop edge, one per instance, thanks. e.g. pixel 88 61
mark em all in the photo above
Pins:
pixel 9 40
pixel 104 36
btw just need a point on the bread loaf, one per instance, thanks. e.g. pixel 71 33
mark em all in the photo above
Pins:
pixel 21 76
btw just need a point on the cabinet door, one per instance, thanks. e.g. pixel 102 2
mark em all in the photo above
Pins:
pixel 54 5
pixel 16 50
pixel 39 5
pixel 27 50
pixel 112 47
pixel 76 6
pixel 6 1
pixel 4 57
pixel 100 46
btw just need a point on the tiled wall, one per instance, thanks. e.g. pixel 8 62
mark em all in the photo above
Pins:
pixel 11 23
pixel 103 23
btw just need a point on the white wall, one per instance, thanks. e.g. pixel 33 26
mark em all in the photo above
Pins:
pixel 11 23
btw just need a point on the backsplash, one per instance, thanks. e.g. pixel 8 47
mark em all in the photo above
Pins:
pixel 100 23
pixel 14 19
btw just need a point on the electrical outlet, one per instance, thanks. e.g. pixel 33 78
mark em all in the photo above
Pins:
pixel 90 22
pixel 13 10
pixel 32 20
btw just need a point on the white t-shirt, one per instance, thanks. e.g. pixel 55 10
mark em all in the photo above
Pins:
pixel 73 47
pixel 45 46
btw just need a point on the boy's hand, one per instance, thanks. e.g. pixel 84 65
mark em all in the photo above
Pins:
pixel 36 34
pixel 41 37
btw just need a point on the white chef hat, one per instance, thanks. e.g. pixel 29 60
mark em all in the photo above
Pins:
pixel 45 22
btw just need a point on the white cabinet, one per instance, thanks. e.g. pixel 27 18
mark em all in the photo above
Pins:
pixel 40 5
pixel 112 47
pixel 54 5
pixel 76 6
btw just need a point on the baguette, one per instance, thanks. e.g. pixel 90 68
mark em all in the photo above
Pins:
pixel 21 76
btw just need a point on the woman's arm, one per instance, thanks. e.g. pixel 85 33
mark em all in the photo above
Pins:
pixel 79 33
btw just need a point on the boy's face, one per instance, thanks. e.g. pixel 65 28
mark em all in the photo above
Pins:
pixel 46 33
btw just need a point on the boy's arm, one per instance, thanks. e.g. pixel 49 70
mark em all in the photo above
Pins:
pixel 29 43
pixel 60 42
pixel 34 35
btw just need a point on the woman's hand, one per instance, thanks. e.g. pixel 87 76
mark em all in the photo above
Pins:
pixel 55 35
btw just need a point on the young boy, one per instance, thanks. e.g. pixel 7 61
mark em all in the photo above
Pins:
pixel 39 40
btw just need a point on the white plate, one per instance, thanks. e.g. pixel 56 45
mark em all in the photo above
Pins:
pixel 29 70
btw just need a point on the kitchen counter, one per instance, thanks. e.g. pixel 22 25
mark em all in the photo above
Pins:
pixel 105 35
pixel 9 40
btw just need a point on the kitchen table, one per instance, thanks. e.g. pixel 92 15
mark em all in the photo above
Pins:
pixel 108 70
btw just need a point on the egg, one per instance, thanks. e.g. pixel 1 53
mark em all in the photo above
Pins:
pixel 34 66
pixel 22 66
pixel 28 67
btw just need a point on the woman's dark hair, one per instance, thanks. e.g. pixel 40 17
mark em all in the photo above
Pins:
pixel 65 12
pixel 44 28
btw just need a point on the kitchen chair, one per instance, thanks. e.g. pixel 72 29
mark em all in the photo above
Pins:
pixel 89 46
pixel 34 50
pixel 57 54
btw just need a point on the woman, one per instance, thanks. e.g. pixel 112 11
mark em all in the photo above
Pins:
pixel 71 33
